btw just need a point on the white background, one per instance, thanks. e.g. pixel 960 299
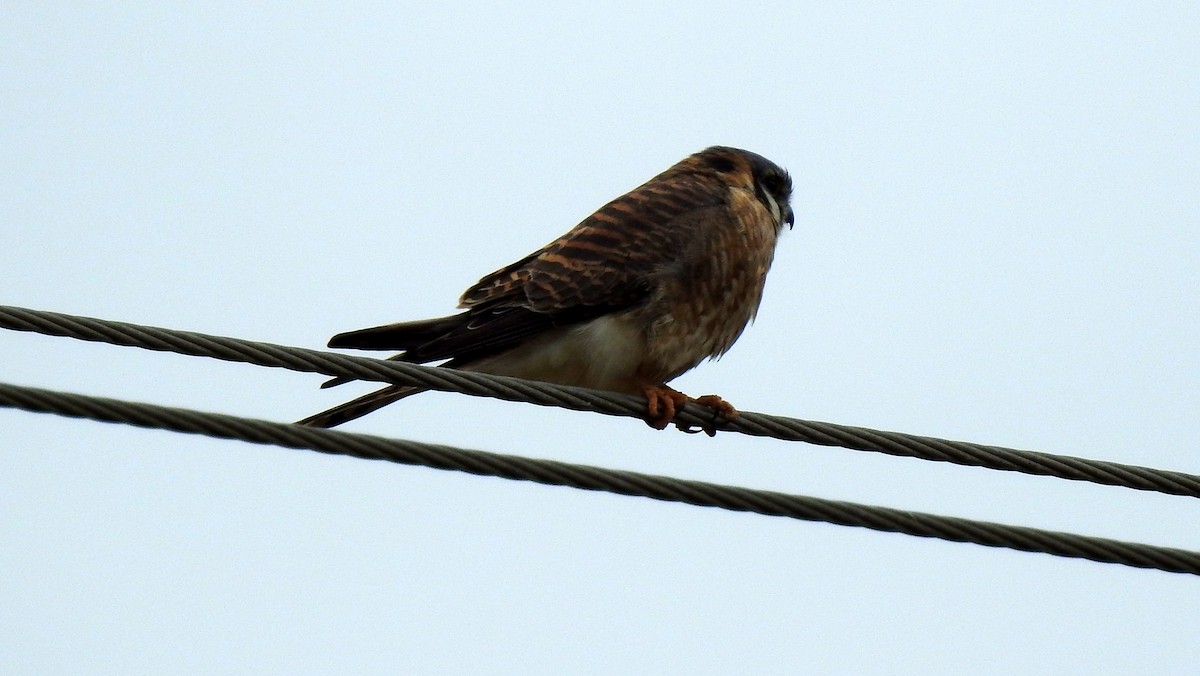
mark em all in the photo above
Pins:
pixel 996 241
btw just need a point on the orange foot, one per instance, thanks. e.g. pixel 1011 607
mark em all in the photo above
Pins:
pixel 662 403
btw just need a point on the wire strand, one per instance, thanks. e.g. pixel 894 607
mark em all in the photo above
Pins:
pixel 608 403
pixel 591 478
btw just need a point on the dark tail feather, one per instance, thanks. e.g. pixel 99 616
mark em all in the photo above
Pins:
pixel 402 336
pixel 342 380
pixel 356 408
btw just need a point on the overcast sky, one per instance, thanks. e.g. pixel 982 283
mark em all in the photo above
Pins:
pixel 996 241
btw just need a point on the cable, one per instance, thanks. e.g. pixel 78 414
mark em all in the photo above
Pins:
pixel 608 403
pixel 586 477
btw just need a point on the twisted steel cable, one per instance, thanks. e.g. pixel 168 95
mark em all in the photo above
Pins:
pixel 609 403
pixel 586 477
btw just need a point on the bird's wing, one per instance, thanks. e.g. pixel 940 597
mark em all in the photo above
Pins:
pixel 605 264
pixel 609 260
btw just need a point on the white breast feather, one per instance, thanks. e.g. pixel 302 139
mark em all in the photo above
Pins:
pixel 603 353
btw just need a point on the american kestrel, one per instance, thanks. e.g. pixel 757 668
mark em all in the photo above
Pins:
pixel 638 293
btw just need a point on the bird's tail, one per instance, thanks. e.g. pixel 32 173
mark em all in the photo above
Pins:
pixel 401 336
pixel 342 380
pixel 356 408
pixel 408 336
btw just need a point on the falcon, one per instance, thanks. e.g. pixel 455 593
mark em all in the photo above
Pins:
pixel 640 292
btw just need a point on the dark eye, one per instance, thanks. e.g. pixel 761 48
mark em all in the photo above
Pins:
pixel 773 183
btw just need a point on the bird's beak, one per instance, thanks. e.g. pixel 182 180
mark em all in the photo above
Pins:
pixel 789 218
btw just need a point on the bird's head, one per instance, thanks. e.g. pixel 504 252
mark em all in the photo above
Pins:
pixel 770 182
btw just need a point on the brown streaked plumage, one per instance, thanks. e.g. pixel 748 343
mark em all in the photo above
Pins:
pixel 641 291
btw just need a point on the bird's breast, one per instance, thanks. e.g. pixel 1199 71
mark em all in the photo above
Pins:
pixel 704 309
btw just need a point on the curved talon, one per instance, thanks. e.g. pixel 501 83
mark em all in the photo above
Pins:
pixel 723 412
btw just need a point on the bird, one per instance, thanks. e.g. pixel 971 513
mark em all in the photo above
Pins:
pixel 643 290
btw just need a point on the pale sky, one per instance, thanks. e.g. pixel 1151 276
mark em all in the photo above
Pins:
pixel 996 241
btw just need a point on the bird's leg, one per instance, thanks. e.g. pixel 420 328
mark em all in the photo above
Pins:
pixel 661 404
